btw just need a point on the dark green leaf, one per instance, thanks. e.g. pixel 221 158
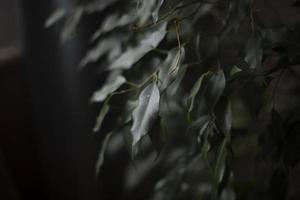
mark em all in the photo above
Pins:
pixel 195 90
pixel 100 158
pixel 220 163
pixel 254 52
pixel 214 89
pixel 156 135
pixel 104 110
pixel 223 114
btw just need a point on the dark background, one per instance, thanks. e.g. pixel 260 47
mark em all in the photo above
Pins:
pixel 46 146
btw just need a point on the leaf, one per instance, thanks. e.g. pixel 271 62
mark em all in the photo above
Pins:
pixel 254 52
pixel 177 81
pixel 223 114
pixel 145 113
pixel 71 24
pixel 112 22
pixel 228 194
pixel 234 70
pixel 214 89
pixel 144 11
pixel 104 110
pixel 177 61
pixel 134 54
pixel 220 163
pixel 55 17
pixel 199 123
pixel 195 91
pixel 155 13
pixel 109 87
pixel 100 159
pixel 153 39
pixel 164 75
pixel 103 47
pixel 130 57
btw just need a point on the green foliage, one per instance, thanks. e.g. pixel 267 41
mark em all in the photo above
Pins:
pixel 198 82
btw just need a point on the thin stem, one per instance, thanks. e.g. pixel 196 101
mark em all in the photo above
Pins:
pixel 134 85
pixel 178 55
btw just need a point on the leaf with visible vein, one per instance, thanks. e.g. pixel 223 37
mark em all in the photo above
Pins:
pixel 195 91
pixel 134 54
pixel 145 113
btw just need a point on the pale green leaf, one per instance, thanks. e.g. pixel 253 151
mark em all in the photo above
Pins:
pixel 155 13
pixel 55 17
pixel 153 39
pixel 112 22
pixel 103 47
pixel 109 87
pixel 71 24
pixel 134 54
pixel 145 113
pixel 100 159
pixel 223 114
pixel 144 12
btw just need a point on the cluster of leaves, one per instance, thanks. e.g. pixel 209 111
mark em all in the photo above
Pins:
pixel 191 77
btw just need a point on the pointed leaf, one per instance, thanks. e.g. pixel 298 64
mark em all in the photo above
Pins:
pixel 155 13
pixel 144 11
pixel 223 114
pixel 196 89
pixel 108 88
pixel 145 113
pixel 100 159
pixel 171 72
pixel 54 17
pixel 112 22
pixel 220 163
pixel 71 24
pixel 153 39
pixel 104 110
pixel 215 88
pixel 103 47
pixel 134 54
pixel 254 52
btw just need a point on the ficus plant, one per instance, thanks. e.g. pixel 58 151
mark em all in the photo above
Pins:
pixel 193 90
